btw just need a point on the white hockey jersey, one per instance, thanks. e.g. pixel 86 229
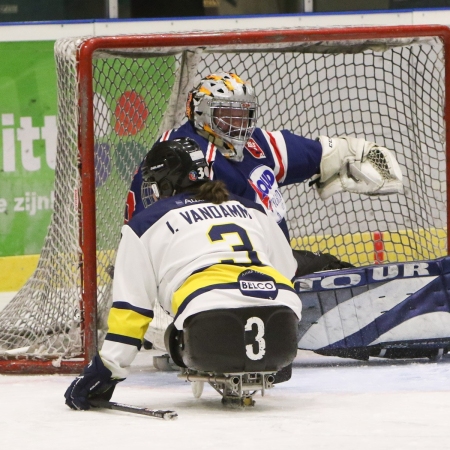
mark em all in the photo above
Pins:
pixel 194 256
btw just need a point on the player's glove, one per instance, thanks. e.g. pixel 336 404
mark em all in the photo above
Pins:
pixel 95 382
pixel 355 165
pixel 309 262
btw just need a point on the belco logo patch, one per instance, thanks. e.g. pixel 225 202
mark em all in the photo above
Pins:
pixel 254 149
pixel 257 284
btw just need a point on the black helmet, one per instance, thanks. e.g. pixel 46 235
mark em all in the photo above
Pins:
pixel 171 166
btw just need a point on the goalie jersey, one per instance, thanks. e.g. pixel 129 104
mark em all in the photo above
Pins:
pixel 271 160
pixel 194 256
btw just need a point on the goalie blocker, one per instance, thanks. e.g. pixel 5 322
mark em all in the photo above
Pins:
pixel 392 310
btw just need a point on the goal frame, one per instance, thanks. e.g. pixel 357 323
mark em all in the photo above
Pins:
pixel 86 141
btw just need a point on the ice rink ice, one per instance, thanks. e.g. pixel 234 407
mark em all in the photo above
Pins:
pixel 329 403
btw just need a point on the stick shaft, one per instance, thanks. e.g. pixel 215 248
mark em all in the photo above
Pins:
pixel 158 413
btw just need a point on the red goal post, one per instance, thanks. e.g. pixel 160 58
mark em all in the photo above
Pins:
pixel 116 94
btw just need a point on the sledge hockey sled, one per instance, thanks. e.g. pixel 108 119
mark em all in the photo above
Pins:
pixel 237 351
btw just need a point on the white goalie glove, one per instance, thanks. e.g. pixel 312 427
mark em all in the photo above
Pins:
pixel 355 165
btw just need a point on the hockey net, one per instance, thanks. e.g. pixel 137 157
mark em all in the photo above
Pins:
pixel 117 94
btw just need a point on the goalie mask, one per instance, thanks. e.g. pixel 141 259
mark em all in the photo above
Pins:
pixel 224 109
pixel 171 166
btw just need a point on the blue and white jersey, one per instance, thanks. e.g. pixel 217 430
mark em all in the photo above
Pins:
pixel 194 256
pixel 271 160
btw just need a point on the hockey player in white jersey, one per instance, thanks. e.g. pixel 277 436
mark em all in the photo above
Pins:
pixel 222 113
pixel 214 261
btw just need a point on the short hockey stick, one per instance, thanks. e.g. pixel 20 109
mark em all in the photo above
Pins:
pixel 160 414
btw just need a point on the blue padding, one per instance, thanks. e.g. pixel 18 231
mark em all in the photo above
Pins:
pixel 332 293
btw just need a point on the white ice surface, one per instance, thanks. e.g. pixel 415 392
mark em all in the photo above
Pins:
pixel 329 403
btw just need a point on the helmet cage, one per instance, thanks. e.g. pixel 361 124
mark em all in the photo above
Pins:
pixel 149 193
pixel 233 121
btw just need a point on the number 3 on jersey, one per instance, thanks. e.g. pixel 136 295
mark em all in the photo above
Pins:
pixel 259 339
pixel 219 232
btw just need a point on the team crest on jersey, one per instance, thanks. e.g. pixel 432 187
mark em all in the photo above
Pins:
pixel 263 181
pixel 257 284
pixel 254 149
pixel 193 176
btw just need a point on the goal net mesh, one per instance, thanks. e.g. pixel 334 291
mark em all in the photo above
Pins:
pixel 390 91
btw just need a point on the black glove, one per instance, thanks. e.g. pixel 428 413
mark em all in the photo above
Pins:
pixel 309 262
pixel 95 382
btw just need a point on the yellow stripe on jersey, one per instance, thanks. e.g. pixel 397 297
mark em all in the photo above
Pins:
pixel 126 322
pixel 220 274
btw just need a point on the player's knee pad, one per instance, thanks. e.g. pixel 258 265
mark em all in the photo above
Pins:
pixel 252 339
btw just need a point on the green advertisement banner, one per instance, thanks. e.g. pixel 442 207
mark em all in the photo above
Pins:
pixel 27 145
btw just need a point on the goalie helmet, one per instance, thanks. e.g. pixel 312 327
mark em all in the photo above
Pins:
pixel 224 109
pixel 171 166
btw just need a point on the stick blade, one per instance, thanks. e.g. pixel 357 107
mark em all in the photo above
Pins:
pixel 157 413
